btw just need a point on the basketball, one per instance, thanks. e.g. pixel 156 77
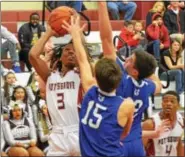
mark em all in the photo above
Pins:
pixel 57 17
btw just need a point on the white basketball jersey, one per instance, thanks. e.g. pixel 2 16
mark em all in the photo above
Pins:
pixel 62 98
pixel 166 145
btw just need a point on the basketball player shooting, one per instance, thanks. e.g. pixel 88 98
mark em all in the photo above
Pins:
pixel 62 90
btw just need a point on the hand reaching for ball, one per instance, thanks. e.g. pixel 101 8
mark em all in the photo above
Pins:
pixel 74 27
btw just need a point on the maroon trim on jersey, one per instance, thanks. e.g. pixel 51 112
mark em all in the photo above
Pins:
pixel 182 125
pixel 150 149
pixel 80 96
pixel 153 123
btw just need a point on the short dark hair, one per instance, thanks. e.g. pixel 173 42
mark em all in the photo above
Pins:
pixel 174 93
pixel 127 23
pixel 108 74
pixel 145 63
pixel 34 13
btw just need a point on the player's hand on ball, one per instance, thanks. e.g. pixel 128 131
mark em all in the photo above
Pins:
pixel 51 32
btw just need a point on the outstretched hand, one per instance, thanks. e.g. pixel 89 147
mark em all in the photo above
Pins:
pixel 74 26
pixel 163 127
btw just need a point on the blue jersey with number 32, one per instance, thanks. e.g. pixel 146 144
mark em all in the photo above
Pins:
pixel 139 92
pixel 99 129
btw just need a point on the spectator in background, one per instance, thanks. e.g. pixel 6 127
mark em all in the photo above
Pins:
pixel 32 87
pixel 138 28
pixel 174 20
pixel 20 95
pixel 172 61
pixel 129 36
pixel 44 126
pixel 181 4
pixel 20 133
pixel 158 7
pixel 158 36
pixel 28 35
pixel 114 7
pixel 10 43
pixel 2 139
pixel 77 5
pixel 10 82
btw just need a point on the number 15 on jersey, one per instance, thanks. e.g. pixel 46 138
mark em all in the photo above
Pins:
pixel 90 122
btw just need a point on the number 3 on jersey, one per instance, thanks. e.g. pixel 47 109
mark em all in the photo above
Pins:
pixel 90 122
pixel 60 101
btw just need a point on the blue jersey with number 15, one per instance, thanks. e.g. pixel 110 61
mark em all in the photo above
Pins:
pixel 99 129
pixel 139 92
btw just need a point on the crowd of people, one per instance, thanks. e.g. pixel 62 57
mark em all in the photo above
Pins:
pixel 73 106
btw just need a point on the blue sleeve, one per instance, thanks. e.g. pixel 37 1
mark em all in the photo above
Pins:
pixel 151 87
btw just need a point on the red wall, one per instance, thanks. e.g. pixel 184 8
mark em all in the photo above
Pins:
pixel 142 9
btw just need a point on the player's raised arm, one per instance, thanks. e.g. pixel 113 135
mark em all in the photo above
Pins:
pixel 157 83
pixel 34 55
pixel 106 31
pixel 85 70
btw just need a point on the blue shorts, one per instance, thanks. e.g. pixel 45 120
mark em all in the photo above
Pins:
pixel 134 148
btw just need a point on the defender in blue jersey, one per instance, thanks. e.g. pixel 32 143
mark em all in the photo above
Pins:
pixel 104 117
pixel 137 67
pixel 139 90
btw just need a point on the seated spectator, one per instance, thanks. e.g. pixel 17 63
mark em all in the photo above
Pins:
pixel 158 7
pixel 138 28
pixel 28 35
pixel 20 134
pixel 114 7
pixel 44 125
pixel 174 20
pixel 10 43
pixel 2 139
pixel 32 87
pixel 172 61
pixel 128 35
pixel 158 36
pixel 20 95
pixel 77 5
pixel 10 82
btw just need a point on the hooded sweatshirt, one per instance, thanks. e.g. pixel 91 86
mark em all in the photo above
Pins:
pixel 128 38
pixel 158 32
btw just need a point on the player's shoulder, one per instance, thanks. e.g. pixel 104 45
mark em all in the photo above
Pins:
pixel 92 90
pixel 74 73
pixel 139 84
